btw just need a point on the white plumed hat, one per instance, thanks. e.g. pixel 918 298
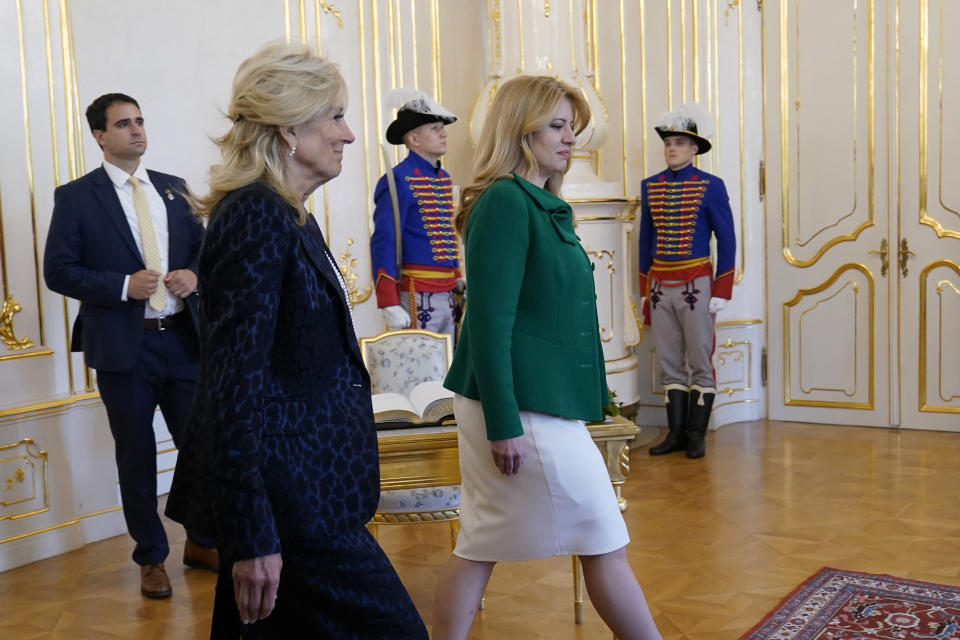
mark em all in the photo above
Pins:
pixel 415 108
pixel 690 120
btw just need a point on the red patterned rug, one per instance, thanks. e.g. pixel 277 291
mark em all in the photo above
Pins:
pixel 846 605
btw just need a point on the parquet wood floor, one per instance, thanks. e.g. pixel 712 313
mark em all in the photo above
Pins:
pixel 716 543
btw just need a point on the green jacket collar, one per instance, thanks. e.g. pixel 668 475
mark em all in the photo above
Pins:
pixel 559 212
pixel 544 199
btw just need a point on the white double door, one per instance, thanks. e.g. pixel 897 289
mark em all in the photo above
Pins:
pixel 862 148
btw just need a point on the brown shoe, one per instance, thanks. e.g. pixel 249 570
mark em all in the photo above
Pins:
pixel 154 582
pixel 200 557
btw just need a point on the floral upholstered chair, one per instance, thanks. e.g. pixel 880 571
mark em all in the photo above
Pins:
pixel 398 361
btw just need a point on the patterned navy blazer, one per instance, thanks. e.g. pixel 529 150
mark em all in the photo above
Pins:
pixel 283 441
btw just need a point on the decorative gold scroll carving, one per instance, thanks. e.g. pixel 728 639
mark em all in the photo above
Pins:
pixel 731 5
pixel 737 356
pixel 12 342
pixel 329 8
pixel 23 479
pixel 606 335
pixel 347 265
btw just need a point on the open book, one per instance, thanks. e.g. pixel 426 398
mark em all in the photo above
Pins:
pixel 427 403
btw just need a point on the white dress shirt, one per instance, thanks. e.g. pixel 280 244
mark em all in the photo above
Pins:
pixel 158 212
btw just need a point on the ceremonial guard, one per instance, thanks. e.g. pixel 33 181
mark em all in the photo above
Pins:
pixel 413 249
pixel 682 207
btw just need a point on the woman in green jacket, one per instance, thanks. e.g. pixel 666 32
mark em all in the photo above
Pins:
pixel 528 371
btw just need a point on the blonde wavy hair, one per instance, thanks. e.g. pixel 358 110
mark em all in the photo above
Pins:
pixel 281 85
pixel 521 107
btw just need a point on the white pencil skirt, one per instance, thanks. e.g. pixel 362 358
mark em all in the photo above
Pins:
pixel 560 503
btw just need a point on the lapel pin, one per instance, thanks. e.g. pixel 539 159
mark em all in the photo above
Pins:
pixel 169 194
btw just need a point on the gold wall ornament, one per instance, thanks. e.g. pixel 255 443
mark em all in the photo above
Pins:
pixel 329 8
pixel 731 5
pixel 606 335
pixel 546 8
pixel 737 356
pixel 10 307
pixel 24 477
pixel 347 265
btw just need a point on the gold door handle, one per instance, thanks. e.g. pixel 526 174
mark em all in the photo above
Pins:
pixel 904 254
pixel 884 257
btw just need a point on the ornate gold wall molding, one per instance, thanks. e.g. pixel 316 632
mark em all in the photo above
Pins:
pixel 606 335
pixel 727 350
pixel 327 8
pixel 871 356
pixel 69 523
pixel 787 101
pixel 922 379
pixel 48 407
pixel 10 340
pixel 941 230
pixel 23 475
pixel 348 265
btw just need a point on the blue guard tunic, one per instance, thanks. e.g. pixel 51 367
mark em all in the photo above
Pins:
pixel 430 261
pixel 680 210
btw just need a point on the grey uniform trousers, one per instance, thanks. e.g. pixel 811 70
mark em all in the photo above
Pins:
pixel 434 310
pixel 683 334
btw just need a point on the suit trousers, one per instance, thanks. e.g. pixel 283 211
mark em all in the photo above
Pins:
pixel 683 333
pixel 339 588
pixel 166 376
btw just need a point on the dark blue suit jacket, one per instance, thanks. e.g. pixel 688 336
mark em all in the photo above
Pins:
pixel 90 249
pixel 282 444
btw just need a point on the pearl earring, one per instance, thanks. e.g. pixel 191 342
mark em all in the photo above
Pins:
pixel 293 150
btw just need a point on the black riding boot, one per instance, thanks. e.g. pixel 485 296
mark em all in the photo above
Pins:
pixel 676 439
pixel 700 406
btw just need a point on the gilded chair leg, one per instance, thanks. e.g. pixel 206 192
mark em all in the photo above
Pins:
pixel 373 529
pixel 577 591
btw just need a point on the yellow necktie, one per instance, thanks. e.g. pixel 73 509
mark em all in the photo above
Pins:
pixel 148 239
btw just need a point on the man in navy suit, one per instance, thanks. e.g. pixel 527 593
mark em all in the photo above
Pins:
pixel 124 242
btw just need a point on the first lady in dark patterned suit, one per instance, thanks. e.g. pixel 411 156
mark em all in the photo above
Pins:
pixel 286 440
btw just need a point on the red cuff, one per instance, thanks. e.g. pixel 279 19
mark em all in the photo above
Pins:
pixel 723 285
pixel 386 288
pixel 644 285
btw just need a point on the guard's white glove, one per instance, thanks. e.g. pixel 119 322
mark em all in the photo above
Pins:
pixel 460 285
pixel 396 317
pixel 717 304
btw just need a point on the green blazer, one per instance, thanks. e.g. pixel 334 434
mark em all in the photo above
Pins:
pixel 529 339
